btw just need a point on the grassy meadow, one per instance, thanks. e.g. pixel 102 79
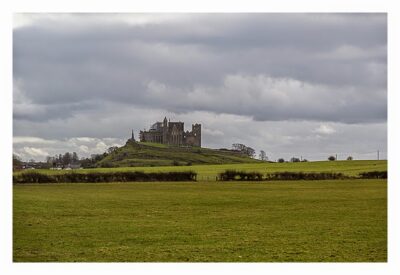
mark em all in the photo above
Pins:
pixel 342 220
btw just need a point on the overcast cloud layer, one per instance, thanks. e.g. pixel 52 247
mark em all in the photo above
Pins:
pixel 306 85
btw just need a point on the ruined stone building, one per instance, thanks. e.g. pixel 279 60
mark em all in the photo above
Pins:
pixel 172 133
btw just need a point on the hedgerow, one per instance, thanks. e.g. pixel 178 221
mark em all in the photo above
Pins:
pixel 233 175
pixel 36 177
pixel 374 175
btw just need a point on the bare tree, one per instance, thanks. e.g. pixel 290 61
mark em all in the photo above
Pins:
pixel 75 158
pixel 238 147
pixel 263 155
pixel 17 162
pixel 250 152
pixel 66 158
pixel 244 149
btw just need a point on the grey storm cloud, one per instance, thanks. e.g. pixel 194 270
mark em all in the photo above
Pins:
pixel 343 54
pixel 72 69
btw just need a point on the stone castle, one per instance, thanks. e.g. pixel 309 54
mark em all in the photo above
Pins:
pixel 172 133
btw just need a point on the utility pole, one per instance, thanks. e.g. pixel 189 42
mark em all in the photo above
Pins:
pixel 336 157
pixel 378 154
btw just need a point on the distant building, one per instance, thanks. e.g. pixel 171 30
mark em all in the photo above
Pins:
pixel 172 133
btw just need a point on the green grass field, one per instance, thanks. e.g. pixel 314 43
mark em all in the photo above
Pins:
pixel 343 220
pixel 209 172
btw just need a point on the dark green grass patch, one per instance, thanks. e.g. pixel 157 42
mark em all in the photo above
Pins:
pixel 342 220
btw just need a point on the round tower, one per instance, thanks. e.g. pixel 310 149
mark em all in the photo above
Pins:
pixel 165 131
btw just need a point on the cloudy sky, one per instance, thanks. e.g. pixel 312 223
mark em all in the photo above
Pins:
pixel 308 85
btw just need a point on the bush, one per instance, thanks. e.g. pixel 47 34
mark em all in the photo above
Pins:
pixel 239 175
pixel 349 158
pixel 234 175
pixel 32 177
pixel 281 160
pixel 106 165
pixel 331 158
pixel 304 176
pixel 374 175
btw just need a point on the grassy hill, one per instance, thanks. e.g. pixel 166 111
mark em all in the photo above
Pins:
pixel 139 154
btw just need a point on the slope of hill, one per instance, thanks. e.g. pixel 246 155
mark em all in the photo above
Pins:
pixel 152 154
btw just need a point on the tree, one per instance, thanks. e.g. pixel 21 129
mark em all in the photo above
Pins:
pixel 349 158
pixel 238 147
pixel 248 151
pixel 87 163
pixel 331 158
pixel 281 160
pixel 75 158
pixel 96 157
pixel 295 159
pixel 17 162
pixel 66 158
pixel 112 149
pixel 51 161
pixel 263 155
pixel 304 160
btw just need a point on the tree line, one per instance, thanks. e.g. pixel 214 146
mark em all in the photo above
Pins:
pixel 63 159
pixel 250 152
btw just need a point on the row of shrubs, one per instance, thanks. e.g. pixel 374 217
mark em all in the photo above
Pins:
pixel 374 175
pixel 239 175
pixel 305 176
pixel 36 177
pixel 250 176
pixel 228 175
